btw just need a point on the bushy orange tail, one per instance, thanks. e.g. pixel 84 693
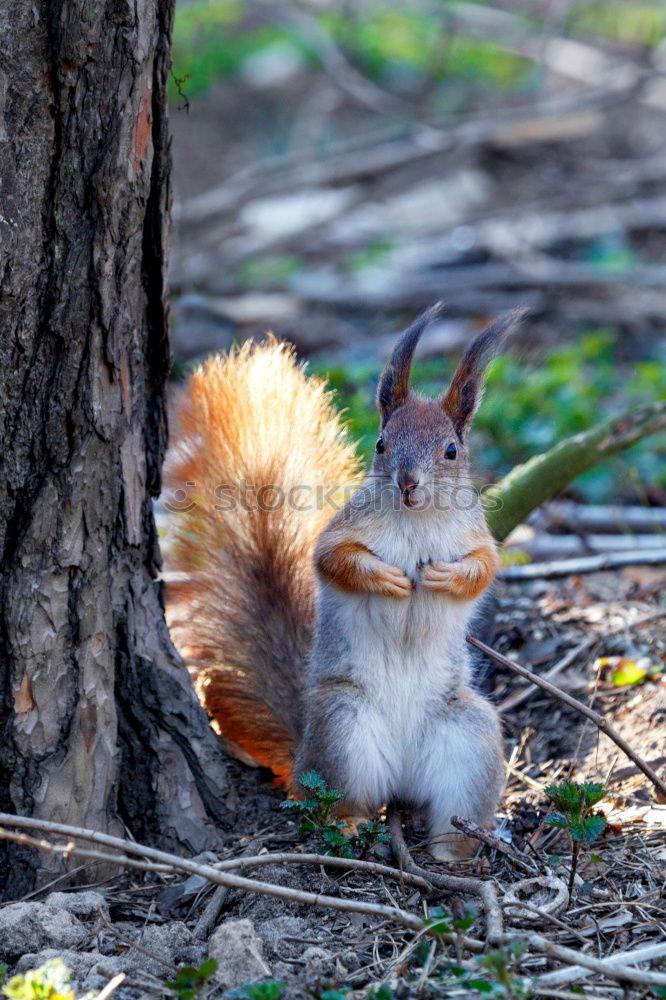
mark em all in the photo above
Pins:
pixel 260 462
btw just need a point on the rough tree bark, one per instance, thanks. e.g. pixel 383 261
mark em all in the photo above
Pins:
pixel 99 725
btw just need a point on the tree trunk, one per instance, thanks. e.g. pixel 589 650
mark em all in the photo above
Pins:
pixel 99 725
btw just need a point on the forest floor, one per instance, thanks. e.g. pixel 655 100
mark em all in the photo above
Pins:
pixel 148 925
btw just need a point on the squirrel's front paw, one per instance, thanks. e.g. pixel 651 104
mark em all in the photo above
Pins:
pixel 444 577
pixel 389 581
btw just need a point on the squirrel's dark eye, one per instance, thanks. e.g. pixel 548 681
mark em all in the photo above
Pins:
pixel 379 447
pixel 451 451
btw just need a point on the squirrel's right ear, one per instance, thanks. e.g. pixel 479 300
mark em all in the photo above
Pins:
pixel 393 388
pixel 462 398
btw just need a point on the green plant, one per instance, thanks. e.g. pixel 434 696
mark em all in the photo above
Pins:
pixel 49 982
pixel 190 981
pixel 575 804
pixel 383 992
pixel 495 974
pixel 317 816
pixel 270 989
pixel 501 964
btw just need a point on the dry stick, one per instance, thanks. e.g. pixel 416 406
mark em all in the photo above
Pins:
pixel 112 985
pixel 518 697
pixel 351 864
pixel 133 944
pixel 569 975
pixel 163 868
pixel 621 973
pixel 164 861
pixel 168 863
pixel 493 841
pixel 450 883
pixel 599 721
pixel 212 911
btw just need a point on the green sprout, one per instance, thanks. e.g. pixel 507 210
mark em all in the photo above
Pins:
pixel 190 981
pixel 318 816
pixel 575 804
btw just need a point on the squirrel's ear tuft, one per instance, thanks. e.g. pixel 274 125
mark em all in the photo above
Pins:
pixel 461 400
pixel 393 388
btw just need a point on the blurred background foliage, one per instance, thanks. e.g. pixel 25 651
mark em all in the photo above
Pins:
pixel 214 38
pixel 514 153
pixel 528 409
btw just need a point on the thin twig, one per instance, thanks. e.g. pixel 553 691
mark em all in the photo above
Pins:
pixel 518 697
pixel 112 985
pixel 493 841
pixel 620 973
pixel 163 862
pixel 569 975
pixel 213 909
pixel 351 864
pixel 602 724
pixel 133 944
pixel 449 883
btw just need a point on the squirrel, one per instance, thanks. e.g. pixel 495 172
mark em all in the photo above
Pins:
pixel 326 635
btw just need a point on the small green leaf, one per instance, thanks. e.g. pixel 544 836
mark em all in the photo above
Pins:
pixel 272 989
pixel 382 992
pixel 577 831
pixel 208 968
pixel 593 827
pixel 557 819
pixel 312 781
pixel 480 985
pixel 593 793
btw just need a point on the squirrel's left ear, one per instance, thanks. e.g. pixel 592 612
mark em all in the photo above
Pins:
pixel 461 400
pixel 393 388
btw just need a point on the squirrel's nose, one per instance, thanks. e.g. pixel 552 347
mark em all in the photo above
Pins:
pixel 407 482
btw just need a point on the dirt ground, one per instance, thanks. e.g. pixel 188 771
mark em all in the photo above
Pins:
pixel 619 900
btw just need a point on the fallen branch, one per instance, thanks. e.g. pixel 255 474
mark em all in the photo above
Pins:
pixel 605 517
pixel 620 973
pixel 544 548
pixel 584 564
pixel 373 154
pixel 163 862
pixel 449 883
pixel 602 724
pixel 569 975
pixel 542 477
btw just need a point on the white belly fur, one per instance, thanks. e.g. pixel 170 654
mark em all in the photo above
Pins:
pixel 406 653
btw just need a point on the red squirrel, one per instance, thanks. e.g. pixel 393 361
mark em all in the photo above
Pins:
pixel 327 635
